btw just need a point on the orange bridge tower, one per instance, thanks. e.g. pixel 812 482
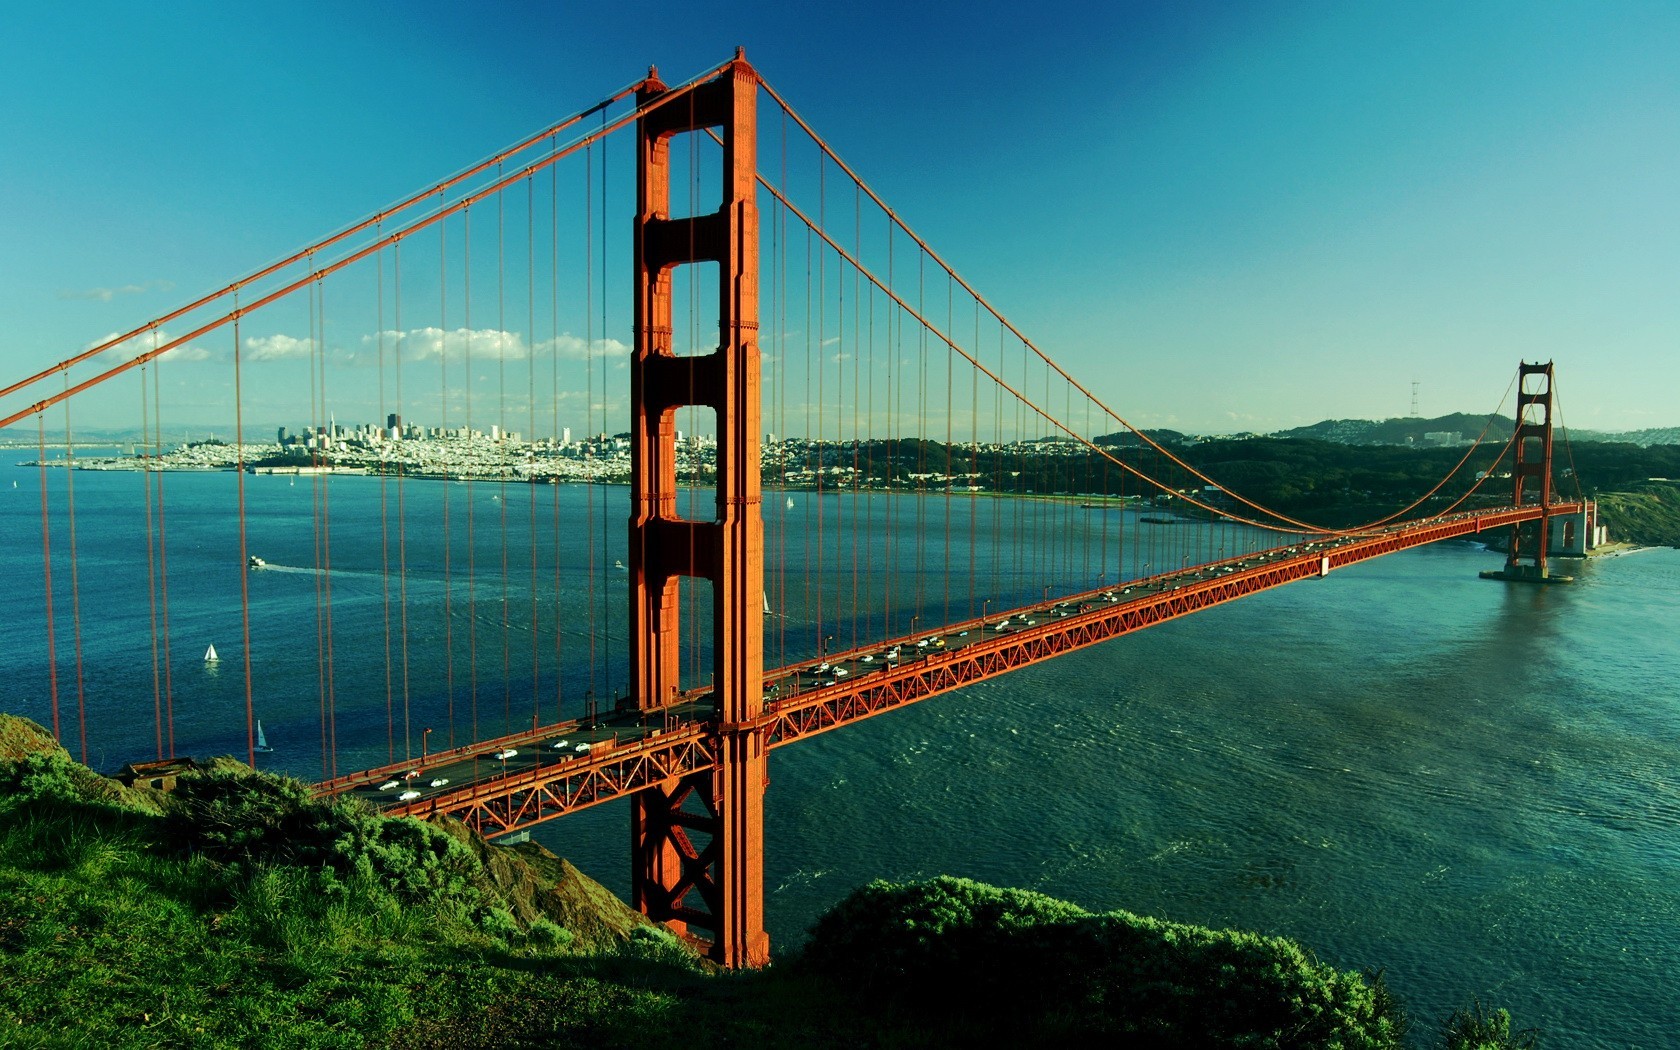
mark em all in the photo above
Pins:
pixel 697 842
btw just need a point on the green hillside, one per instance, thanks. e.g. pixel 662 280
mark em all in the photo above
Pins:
pixel 239 911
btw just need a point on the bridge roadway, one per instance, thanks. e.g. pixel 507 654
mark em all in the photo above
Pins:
pixel 550 775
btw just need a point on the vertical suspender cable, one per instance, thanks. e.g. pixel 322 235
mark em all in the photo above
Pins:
pixel 402 506
pixel 443 424
pixel 503 465
pixel 321 436
pixel 46 568
pixel 75 575
pixel 326 541
pixel 151 567
pixel 163 555
pixel 385 520
pixel 244 554
pixel 471 471
pixel 531 434
pixel 554 401
pixel 589 405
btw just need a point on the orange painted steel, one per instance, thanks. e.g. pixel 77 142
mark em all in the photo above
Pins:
pixel 715 885
pixel 804 715
pixel 691 749
pixel 1534 426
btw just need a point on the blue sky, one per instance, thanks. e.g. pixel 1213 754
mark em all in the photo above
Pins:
pixel 1223 216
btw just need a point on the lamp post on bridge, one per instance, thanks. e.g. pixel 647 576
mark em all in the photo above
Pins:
pixel 983 605
pixel 424 733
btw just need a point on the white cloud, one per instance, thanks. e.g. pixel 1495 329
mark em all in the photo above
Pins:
pixel 277 347
pixel 569 346
pixel 831 340
pixel 129 349
pixel 420 344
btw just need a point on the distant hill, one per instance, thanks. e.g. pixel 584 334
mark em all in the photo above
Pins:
pixel 1642 438
pixel 1401 430
pixel 173 434
pixel 1127 439
pixel 1411 430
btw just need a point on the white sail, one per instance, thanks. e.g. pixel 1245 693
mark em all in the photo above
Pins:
pixel 790 503
pixel 210 656
pixel 262 741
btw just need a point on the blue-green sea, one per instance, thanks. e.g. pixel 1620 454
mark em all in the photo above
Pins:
pixel 1473 786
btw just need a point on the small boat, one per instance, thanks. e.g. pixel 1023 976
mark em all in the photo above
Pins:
pixel 262 741
pixel 257 563
pixel 789 506
pixel 210 656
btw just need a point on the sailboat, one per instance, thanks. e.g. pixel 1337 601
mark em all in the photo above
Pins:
pixel 790 503
pixel 210 656
pixel 262 741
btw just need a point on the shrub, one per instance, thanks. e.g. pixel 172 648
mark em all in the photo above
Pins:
pixel 1036 963
pixel 1473 1028
pixel 236 816
pixel 50 777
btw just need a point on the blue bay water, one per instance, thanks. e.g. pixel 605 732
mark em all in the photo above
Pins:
pixel 1471 785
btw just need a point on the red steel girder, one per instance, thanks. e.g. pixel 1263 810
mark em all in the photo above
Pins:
pixel 863 696
pixel 498 804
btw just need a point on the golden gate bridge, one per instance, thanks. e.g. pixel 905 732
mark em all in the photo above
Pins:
pixel 957 505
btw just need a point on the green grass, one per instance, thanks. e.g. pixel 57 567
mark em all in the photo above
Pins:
pixel 243 912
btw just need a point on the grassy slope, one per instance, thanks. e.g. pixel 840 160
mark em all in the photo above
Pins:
pixel 1648 514
pixel 123 925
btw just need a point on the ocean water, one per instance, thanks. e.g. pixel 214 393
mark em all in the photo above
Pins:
pixel 1471 785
